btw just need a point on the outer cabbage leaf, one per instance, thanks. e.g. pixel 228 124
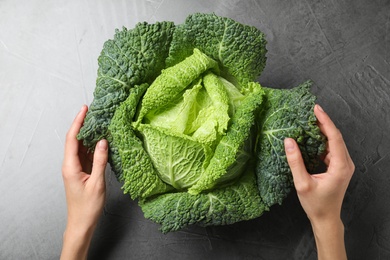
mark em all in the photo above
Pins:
pixel 239 49
pixel 137 173
pixel 287 113
pixel 118 127
pixel 237 202
pixel 133 57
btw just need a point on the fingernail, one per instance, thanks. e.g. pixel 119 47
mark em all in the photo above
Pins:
pixel 320 108
pixel 289 144
pixel 102 145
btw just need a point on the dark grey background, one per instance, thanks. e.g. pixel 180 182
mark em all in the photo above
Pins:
pixel 48 64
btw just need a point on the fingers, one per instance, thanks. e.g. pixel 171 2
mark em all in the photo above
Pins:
pixel 328 128
pixel 78 121
pixel 71 158
pixel 294 158
pixel 337 150
pixel 71 142
pixel 100 158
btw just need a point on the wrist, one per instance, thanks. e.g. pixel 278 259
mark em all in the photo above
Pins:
pixel 329 238
pixel 76 242
pixel 327 223
pixel 77 232
pixel 80 226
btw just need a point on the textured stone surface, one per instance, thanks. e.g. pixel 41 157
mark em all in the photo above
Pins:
pixel 48 64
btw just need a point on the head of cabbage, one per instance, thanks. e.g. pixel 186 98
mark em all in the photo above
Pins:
pixel 192 136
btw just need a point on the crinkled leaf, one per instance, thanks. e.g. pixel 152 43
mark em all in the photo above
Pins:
pixel 232 153
pixel 178 159
pixel 133 57
pixel 174 80
pixel 223 206
pixel 138 175
pixel 179 114
pixel 239 49
pixel 287 113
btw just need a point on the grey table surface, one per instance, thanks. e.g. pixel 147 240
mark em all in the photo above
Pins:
pixel 48 67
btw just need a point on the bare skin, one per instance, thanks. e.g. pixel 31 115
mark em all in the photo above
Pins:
pixel 83 175
pixel 321 195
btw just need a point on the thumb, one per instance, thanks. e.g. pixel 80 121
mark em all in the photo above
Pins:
pixel 100 158
pixel 295 161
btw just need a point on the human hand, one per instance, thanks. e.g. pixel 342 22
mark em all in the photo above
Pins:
pixel 84 181
pixel 321 195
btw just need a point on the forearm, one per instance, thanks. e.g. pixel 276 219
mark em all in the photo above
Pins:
pixel 76 243
pixel 329 237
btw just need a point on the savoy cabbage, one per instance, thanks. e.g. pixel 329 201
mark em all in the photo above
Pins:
pixel 193 137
